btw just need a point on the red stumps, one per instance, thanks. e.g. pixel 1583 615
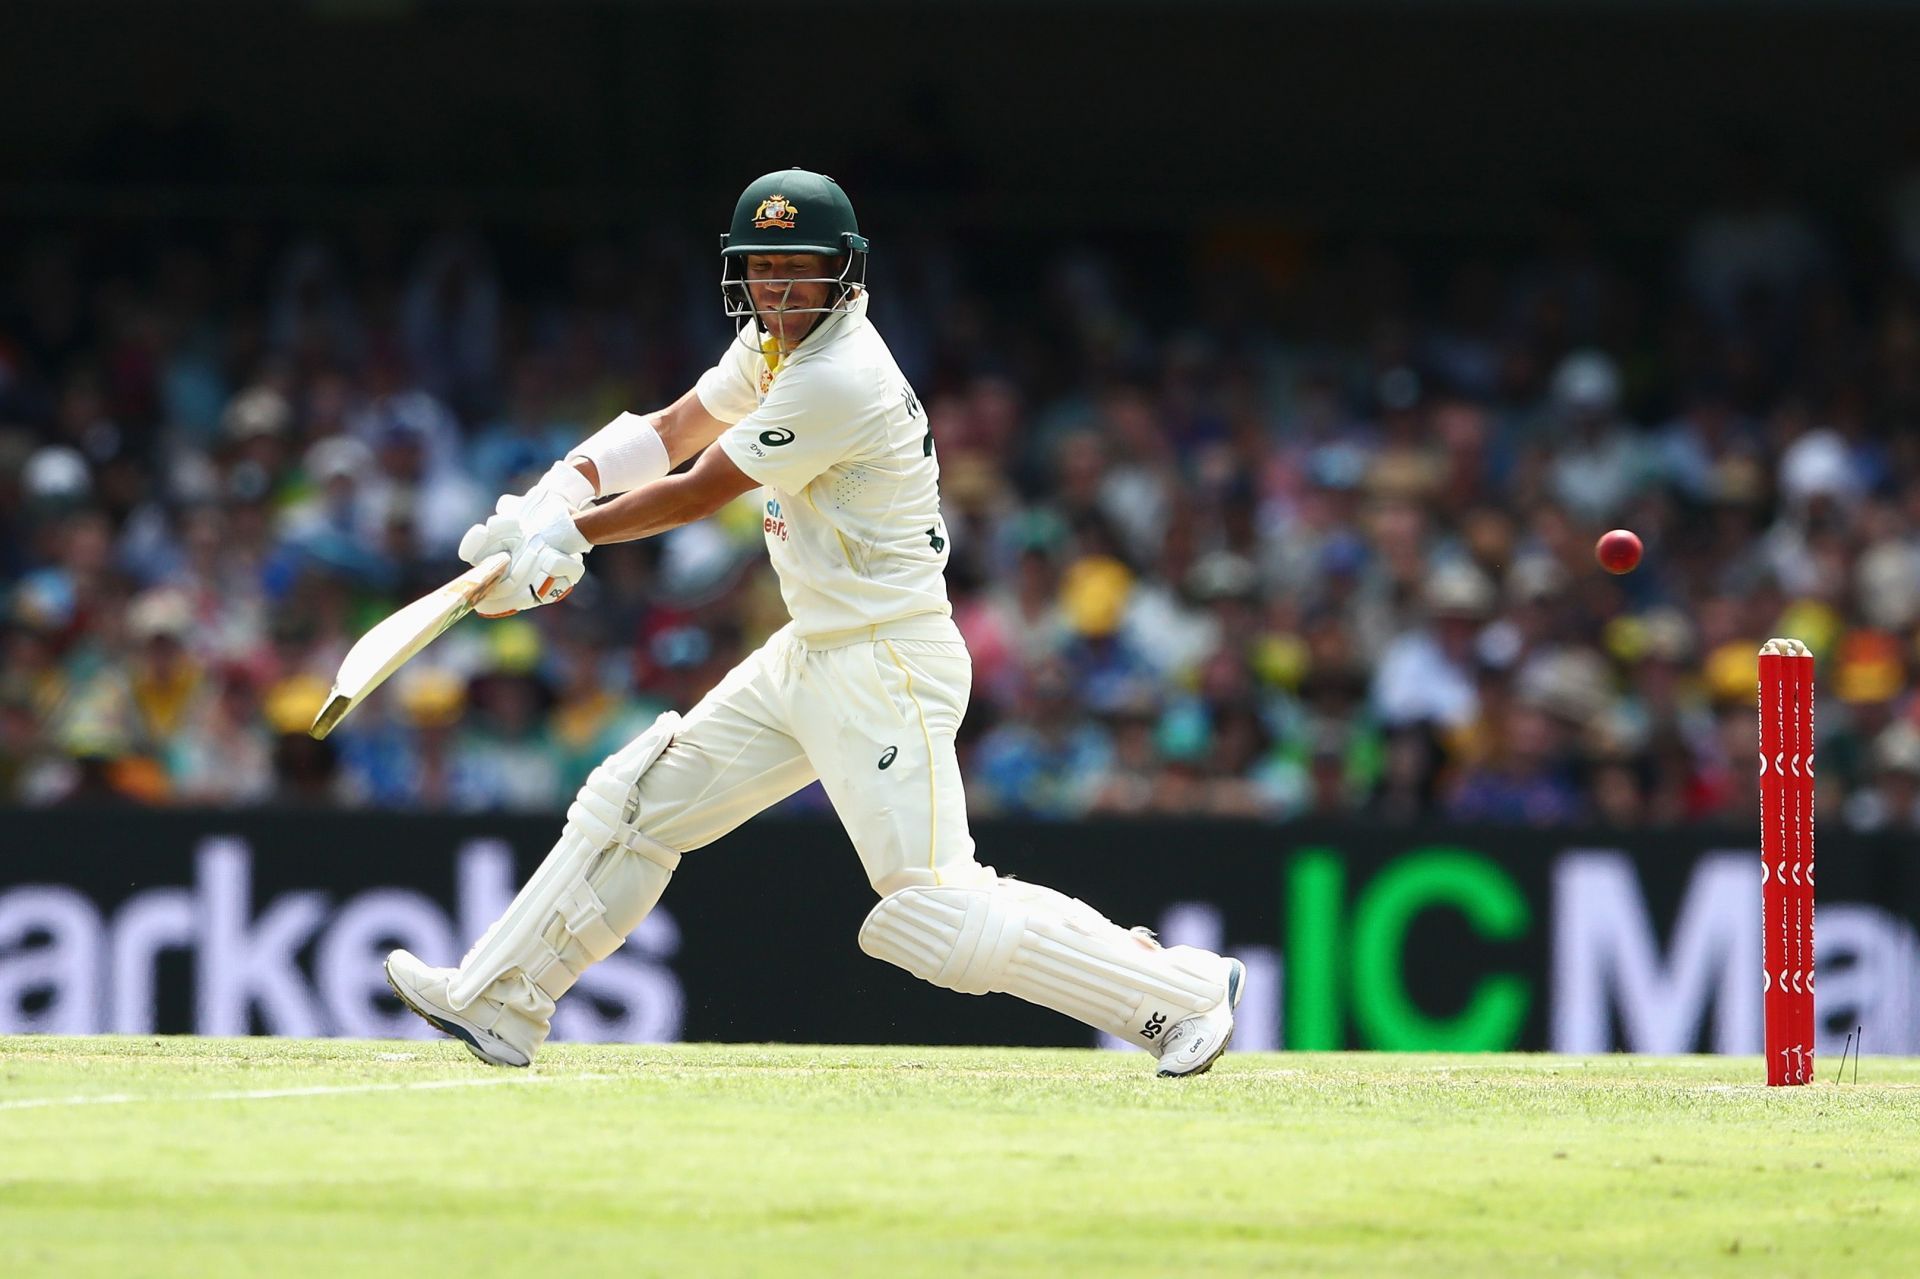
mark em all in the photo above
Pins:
pixel 1786 856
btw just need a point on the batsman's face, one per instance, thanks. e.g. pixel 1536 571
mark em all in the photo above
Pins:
pixel 789 290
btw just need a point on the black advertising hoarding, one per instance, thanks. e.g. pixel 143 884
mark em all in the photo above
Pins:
pixel 1354 937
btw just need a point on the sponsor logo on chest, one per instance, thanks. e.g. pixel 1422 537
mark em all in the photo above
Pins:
pixel 775 523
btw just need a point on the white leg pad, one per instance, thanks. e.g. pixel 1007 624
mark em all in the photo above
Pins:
pixel 594 888
pixel 1047 948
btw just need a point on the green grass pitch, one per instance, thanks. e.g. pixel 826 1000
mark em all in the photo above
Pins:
pixel 154 1157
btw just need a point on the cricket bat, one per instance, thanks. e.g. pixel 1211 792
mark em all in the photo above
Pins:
pixel 388 646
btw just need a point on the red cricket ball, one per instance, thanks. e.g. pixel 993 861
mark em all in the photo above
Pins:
pixel 1618 551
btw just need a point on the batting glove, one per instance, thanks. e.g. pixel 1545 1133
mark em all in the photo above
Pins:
pixel 561 491
pixel 546 563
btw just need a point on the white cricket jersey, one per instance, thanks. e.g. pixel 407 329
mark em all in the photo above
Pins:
pixel 851 503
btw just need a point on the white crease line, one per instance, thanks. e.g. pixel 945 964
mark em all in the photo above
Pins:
pixel 267 1094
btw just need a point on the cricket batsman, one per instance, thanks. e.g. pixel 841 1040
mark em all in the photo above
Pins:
pixel 863 689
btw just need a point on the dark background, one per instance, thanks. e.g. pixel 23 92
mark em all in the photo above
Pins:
pixel 1435 118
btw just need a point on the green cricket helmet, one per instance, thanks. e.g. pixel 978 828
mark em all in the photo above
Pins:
pixel 793 211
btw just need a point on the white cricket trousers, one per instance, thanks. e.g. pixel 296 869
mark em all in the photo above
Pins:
pixel 872 714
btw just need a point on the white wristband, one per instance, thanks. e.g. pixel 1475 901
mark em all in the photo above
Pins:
pixel 627 451
pixel 563 479
pixel 563 535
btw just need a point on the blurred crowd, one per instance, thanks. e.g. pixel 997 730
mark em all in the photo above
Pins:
pixel 1265 527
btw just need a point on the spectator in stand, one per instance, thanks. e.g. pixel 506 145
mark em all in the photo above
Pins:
pixel 1130 784
pixel 1599 460
pixel 1426 675
pixel 1890 798
pixel 1048 760
pixel 1343 567
pixel 1521 779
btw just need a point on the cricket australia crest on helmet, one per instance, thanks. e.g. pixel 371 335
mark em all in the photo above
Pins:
pixel 774 211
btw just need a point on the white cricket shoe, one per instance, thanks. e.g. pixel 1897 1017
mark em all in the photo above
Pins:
pixel 1193 1045
pixel 487 1027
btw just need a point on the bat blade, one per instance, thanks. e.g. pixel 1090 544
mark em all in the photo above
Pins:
pixel 399 636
